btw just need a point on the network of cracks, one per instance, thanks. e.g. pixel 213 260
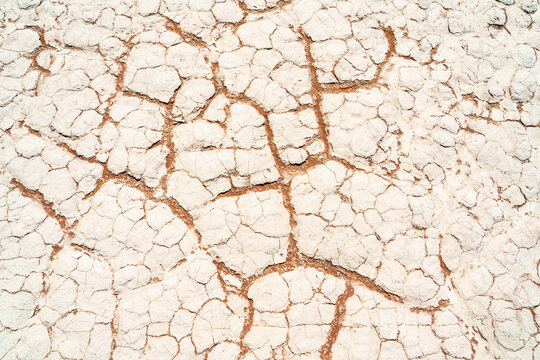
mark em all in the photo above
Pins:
pixel 269 179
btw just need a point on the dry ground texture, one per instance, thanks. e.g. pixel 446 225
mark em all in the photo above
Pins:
pixel 269 179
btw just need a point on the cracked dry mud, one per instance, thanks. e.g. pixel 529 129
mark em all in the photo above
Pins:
pixel 269 179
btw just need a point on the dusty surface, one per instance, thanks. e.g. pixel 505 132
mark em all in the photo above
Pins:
pixel 269 179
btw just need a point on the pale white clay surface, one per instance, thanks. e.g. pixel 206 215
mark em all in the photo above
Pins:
pixel 269 179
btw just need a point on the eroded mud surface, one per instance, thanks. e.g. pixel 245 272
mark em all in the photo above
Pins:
pixel 269 179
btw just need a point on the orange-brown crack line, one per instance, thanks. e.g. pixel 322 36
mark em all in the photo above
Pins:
pixel 335 326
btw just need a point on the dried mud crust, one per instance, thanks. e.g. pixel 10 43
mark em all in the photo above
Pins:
pixel 269 179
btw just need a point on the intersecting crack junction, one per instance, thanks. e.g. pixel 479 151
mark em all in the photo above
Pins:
pixel 269 179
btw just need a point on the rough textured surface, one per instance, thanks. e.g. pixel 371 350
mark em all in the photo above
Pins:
pixel 269 179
